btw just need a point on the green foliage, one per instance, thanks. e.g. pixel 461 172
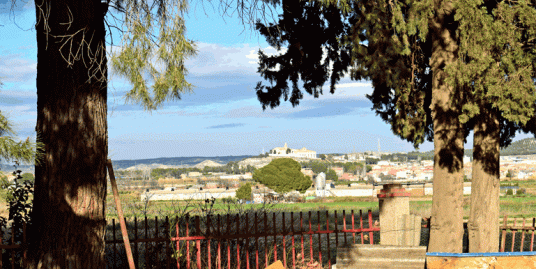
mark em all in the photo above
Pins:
pixel 20 208
pixel 299 19
pixel 3 180
pixel 509 192
pixel 11 150
pixel 244 192
pixel 521 191
pixel 316 166
pixel 410 156
pixel 28 177
pixel 496 59
pixel 350 167
pixel 230 168
pixel 283 175
pixel 396 59
pixel 322 157
pixel 510 174
pixel 369 168
pixel 331 175
pixel 137 59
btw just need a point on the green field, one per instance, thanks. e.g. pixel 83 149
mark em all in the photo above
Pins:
pixel 513 206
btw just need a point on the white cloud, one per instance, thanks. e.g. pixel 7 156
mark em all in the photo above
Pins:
pixel 15 68
pixel 18 110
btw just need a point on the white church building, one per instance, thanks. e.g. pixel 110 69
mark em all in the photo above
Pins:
pixel 288 152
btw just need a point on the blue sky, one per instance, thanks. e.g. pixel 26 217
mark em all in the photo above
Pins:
pixel 222 116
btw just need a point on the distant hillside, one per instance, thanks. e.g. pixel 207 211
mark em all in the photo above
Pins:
pixel 123 164
pixel 525 146
pixel 8 169
pixel 174 161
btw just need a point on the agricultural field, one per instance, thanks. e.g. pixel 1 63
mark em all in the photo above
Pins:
pixel 511 205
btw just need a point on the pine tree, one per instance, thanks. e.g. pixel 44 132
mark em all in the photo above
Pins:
pixel 244 192
pixel 283 175
pixel 72 89
pixel 495 62
pixel 10 150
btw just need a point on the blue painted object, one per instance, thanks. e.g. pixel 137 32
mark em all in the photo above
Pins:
pixel 483 254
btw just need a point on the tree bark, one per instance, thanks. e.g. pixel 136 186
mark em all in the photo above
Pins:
pixel 70 186
pixel 483 225
pixel 446 231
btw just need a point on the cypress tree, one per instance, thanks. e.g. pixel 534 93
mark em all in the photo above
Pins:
pixel 415 54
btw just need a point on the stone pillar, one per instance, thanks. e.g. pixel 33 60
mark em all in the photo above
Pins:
pixel 394 203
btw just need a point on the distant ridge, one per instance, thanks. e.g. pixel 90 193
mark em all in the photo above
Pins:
pixel 526 146
pixel 209 163
pixel 178 161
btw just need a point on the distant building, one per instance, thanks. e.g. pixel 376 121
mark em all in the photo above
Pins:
pixel 211 185
pixel 307 172
pixel 237 177
pixel 356 157
pixel 339 158
pixel 194 174
pixel 338 170
pixel 285 151
pixel 405 174
pixel 348 177
pixel 466 159
pixel 383 163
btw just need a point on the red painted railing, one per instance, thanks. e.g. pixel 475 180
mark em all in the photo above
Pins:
pixel 514 228
pixel 213 233
pixel 218 235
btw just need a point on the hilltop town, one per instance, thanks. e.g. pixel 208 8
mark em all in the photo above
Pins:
pixel 371 167
pixel 374 166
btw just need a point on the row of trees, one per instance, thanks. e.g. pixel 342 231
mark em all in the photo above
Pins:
pixel 410 156
pixel 231 168
pixel 348 167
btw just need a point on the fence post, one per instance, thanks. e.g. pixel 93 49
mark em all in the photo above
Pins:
pixel 120 213
pixel 394 204
pixel 503 238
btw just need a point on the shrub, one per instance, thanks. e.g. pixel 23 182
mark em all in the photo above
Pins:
pixel 521 191
pixel 20 208
pixel 332 175
pixel 509 192
pixel 28 177
pixel 244 192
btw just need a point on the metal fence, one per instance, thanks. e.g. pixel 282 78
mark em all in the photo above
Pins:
pixel 222 241
pixel 508 234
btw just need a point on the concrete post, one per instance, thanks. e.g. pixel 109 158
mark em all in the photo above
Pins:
pixel 394 203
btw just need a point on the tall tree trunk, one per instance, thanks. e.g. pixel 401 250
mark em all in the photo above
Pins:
pixel 446 231
pixel 483 223
pixel 70 186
